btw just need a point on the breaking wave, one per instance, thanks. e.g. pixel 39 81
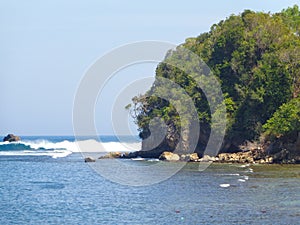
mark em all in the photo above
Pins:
pixel 63 148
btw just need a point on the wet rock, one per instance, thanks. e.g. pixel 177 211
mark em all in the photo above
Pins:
pixel 239 157
pixel 193 157
pixel 89 159
pixel 169 156
pixel 11 138
pixel 112 155
pixel 207 158
pixel 189 157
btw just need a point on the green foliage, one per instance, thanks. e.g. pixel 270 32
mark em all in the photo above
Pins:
pixel 291 16
pixel 256 58
pixel 285 120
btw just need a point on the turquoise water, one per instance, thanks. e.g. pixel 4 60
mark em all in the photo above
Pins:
pixel 65 190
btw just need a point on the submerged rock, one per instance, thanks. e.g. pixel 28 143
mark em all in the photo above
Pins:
pixel 11 138
pixel 89 159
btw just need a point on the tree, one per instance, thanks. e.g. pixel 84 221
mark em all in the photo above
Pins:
pixel 284 121
pixel 256 58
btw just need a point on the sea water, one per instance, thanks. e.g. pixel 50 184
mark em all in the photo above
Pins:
pixel 44 180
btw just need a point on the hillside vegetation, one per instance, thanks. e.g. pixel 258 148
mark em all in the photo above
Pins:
pixel 256 58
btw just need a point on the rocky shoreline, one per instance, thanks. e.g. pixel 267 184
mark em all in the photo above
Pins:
pixel 250 156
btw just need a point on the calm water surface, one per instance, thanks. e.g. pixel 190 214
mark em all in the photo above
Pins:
pixel 45 190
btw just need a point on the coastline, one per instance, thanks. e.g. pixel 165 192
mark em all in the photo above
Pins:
pixel 246 157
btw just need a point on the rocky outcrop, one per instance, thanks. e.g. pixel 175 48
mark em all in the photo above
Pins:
pixel 285 156
pixel 89 159
pixel 253 156
pixel 240 157
pixel 169 156
pixel 189 157
pixel 11 138
pixel 112 155
pixel 252 153
pixel 284 149
pixel 207 158
pixel 150 154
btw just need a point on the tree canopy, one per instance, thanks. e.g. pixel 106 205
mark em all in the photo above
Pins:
pixel 256 58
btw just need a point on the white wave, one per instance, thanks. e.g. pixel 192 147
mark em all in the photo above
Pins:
pixel 95 146
pixel 243 166
pixel 241 180
pixel 249 170
pixel 230 174
pixel 65 148
pixel 153 160
pixel 47 145
pixel 54 154
pixel 138 159
pixel 224 185
pixel 81 146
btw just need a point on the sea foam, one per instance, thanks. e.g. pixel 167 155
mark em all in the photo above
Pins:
pixel 63 148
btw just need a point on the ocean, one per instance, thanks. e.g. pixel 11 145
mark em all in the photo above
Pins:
pixel 44 180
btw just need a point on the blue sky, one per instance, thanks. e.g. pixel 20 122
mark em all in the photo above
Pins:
pixel 47 46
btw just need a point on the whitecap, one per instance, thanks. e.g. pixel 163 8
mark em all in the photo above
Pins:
pixel 245 165
pixel 138 159
pixel 230 174
pixel 53 154
pixel 95 146
pixel 224 185
pixel 250 170
pixel 63 148
pixel 153 160
pixel 241 180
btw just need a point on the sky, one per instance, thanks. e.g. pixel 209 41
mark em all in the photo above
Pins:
pixel 48 46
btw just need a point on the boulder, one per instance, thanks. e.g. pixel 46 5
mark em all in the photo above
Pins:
pixel 89 159
pixel 189 157
pixel 207 158
pixel 281 157
pixel 192 157
pixel 169 156
pixel 112 155
pixel 11 138
pixel 183 157
pixel 240 157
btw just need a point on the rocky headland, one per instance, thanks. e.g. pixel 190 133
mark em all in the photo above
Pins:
pixel 280 151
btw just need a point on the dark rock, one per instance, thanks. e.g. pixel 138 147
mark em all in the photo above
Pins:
pixel 89 159
pixel 152 154
pixel 281 157
pixel 11 138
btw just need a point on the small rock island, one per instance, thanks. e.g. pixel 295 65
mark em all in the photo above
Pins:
pixel 11 138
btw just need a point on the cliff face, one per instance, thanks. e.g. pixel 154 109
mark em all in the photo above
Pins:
pixel 289 144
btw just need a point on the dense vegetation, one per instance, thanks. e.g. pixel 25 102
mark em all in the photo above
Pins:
pixel 256 57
